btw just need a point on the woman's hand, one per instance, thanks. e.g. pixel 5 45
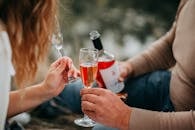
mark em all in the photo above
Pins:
pixel 73 72
pixel 105 107
pixel 54 82
pixel 126 70
pixel 57 76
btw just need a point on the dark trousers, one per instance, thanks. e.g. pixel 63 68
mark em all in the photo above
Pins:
pixel 150 91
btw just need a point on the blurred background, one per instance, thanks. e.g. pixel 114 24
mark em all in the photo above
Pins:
pixel 127 27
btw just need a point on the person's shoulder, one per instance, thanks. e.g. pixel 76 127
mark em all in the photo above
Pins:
pixel 3 31
pixel 2 26
pixel 181 5
pixel 4 38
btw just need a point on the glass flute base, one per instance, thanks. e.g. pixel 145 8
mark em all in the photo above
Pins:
pixel 85 122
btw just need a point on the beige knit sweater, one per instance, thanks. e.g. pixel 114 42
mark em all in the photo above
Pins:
pixel 177 50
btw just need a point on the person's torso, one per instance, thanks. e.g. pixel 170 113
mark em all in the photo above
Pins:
pixel 183 77
pixel 6 71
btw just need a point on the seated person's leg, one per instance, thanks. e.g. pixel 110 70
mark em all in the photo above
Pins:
pixel 102 127
pixel 71 96
pixel 150 91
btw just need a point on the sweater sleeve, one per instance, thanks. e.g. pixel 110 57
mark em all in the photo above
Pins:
pixel 151 120
pixel 158 56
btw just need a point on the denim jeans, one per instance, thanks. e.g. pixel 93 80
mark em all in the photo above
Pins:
pixel 149 91
pixel 71 96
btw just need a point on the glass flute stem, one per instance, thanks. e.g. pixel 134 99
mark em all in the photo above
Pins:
pixel 60 52
pixel 85 121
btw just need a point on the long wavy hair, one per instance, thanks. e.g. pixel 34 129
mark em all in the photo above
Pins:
pixel 29 24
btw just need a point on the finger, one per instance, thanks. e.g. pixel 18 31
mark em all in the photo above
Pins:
pixel 120 79
pixel 71 73
pixel 68 65
pixel 60 68
pixel 95 91
pixel 65 64
pixel 65 77
pixel 76 73
pixel 66 58
pixel 90 98
pixel 90 114
pixel 56 63
pixel 88 106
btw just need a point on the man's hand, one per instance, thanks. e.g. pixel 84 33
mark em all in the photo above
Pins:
pixel 126 69
pixel 105 107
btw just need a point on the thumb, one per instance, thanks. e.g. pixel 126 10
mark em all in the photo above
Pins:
pixel 121 79
pixel 61 66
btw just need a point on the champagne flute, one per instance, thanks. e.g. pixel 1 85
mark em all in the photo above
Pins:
pixel 57 38
pixel 88 61
pixel 57 42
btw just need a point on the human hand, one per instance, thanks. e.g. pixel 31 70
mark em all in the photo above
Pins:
pixel 105 107
pixel 73 72
pixel 125 69
pixel 57 76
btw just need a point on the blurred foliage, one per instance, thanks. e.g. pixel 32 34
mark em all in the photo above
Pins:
pixel 115 19
pixel 106 14
pixel 162 8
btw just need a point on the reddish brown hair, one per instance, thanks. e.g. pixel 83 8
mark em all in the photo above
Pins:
pixel 29 24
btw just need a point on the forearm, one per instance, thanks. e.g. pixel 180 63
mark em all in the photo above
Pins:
pixel 158 56
pixel 25 99
pixel 29 97
pixel 150 120
pixel 151 60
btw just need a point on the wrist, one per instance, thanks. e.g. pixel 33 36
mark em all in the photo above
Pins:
pixel 130 68
pixel 125 119
pixel 46 93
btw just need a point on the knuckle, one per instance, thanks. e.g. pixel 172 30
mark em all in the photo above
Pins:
pixel 83 97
